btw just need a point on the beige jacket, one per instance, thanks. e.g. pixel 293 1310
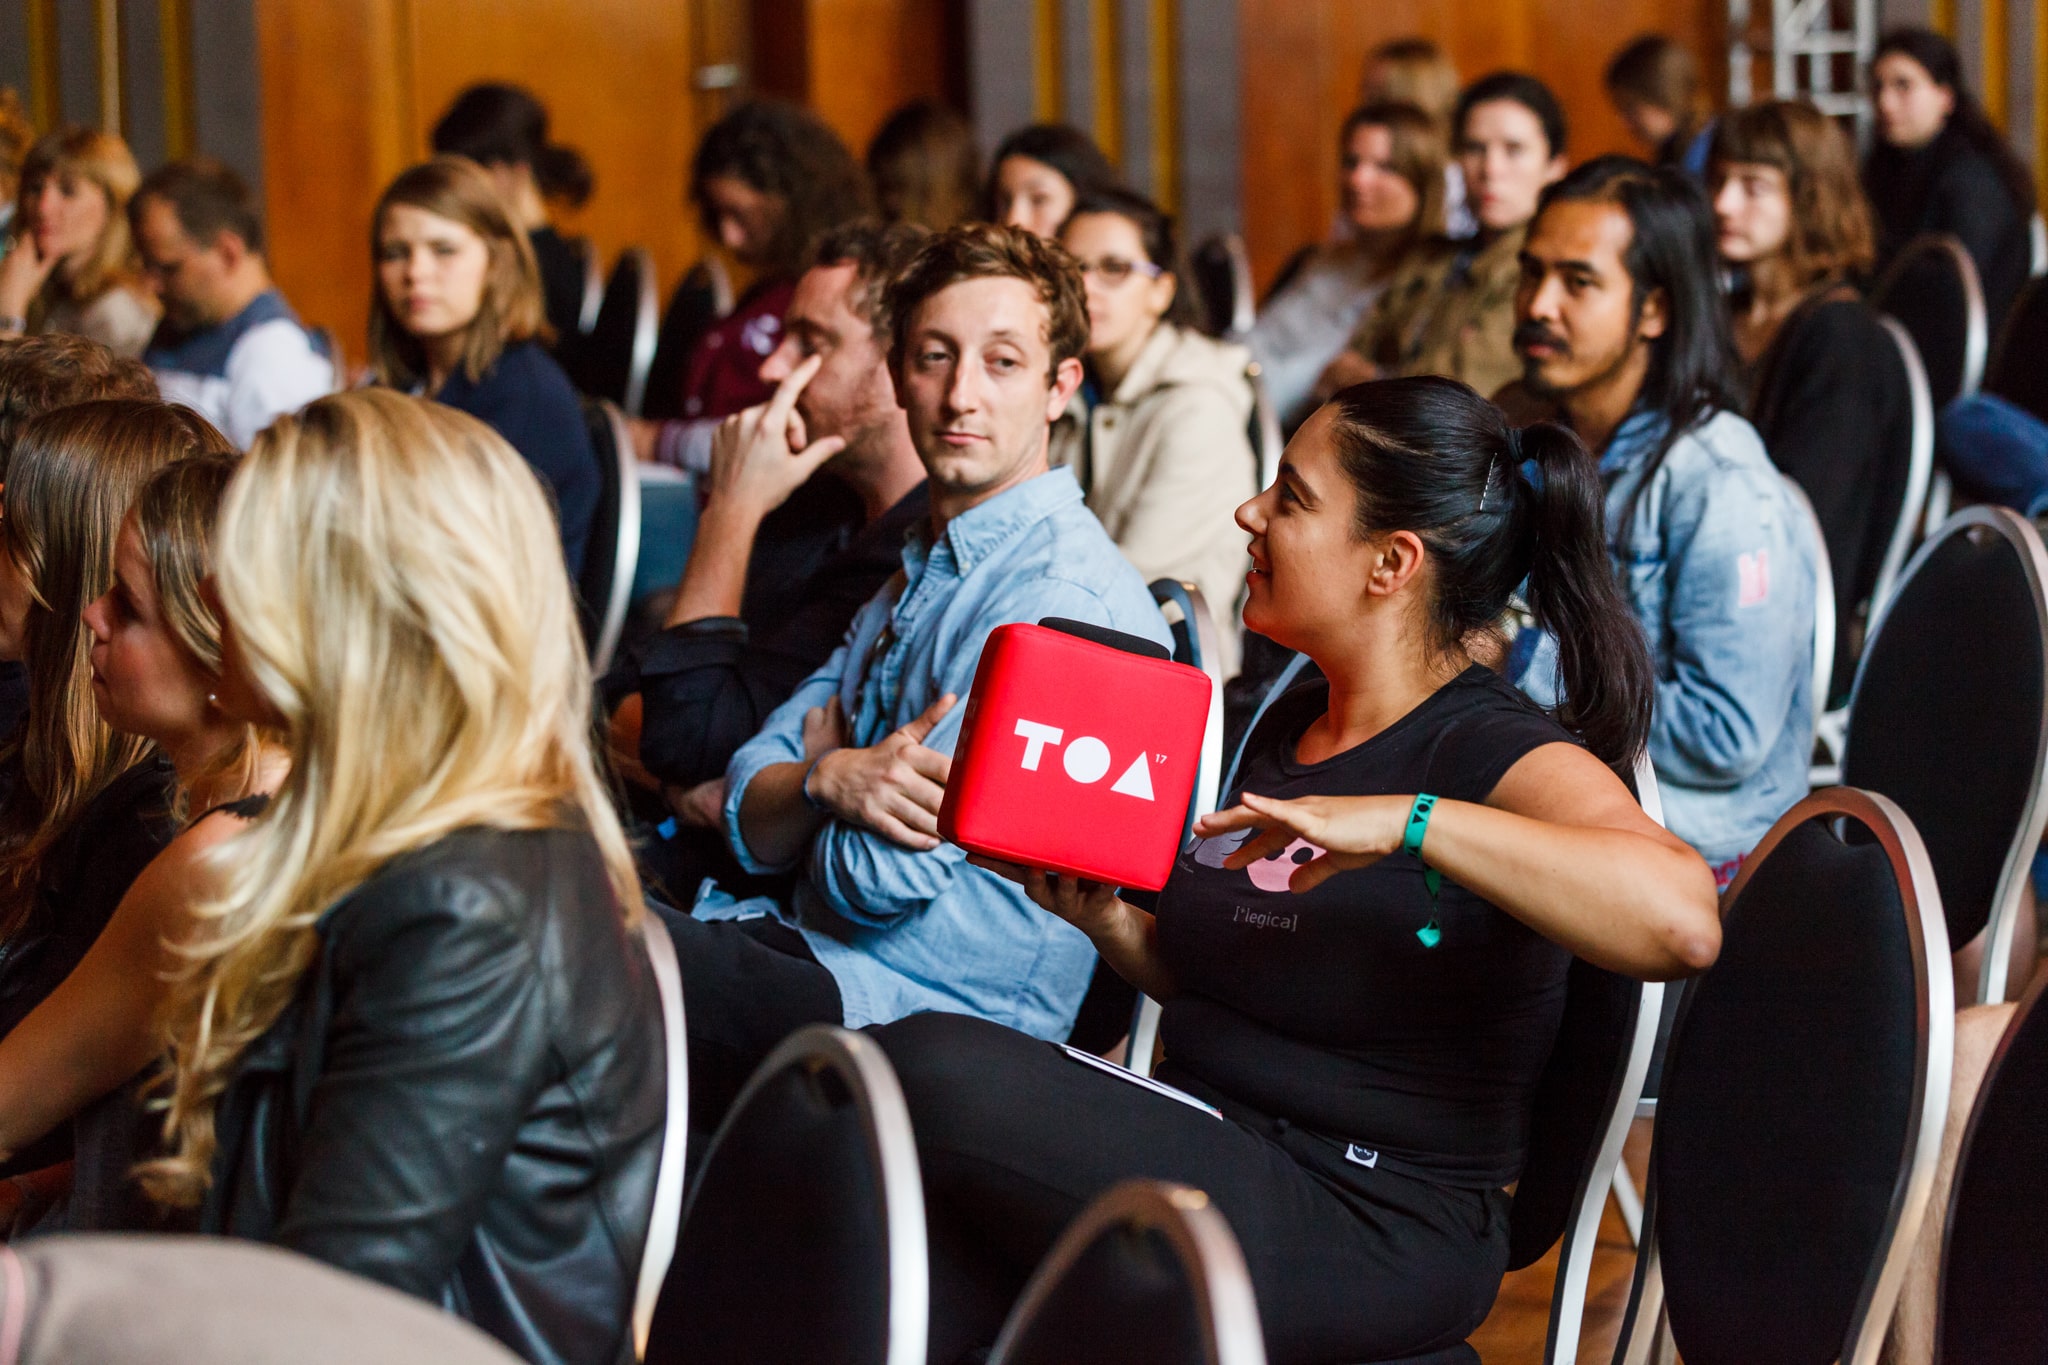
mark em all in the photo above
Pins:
pixel 1166 460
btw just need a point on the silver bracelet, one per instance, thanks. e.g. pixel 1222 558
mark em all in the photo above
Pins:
pixel 13 324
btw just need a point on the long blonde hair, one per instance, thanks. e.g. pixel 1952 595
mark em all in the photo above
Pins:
pixel 391 574
pixel 104 162
pixel 73 474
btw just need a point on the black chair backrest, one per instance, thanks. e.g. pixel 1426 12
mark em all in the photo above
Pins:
pixel 804 1237
pixel 1149 1274
pixel 1575 1103
pixel 1947 715
pixel 612 553
pixel 2018 371
pixel 593 284
pixel 1932 288
pixel 1804 1095
pixel 1220 271
pixel 613 359
pixel 1994 1272
pixel 701 299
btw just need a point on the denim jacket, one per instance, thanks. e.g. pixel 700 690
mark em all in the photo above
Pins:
pixel 903 931
pixel 1722 579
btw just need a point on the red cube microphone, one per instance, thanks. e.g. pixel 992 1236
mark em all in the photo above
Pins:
pixel 1078 753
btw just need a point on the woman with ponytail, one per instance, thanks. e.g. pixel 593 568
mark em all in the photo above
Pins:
pixel 1362 959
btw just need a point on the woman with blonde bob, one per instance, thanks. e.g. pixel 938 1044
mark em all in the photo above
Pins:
pixel 155 671
pixel 72 266
pixel 457 315
pixel 415 1037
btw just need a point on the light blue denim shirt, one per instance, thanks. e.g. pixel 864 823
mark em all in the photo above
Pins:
pixel 901 931
pixel 1723 583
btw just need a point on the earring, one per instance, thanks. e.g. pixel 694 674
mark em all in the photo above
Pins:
pixel 212 700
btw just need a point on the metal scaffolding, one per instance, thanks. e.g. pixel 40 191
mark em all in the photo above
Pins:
pixel 1812 56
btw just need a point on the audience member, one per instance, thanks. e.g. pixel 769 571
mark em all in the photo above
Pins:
pixel 769 180
pixel 17 135
pixel 1655 85
pixel 1623 336
pixel 843 783
pixel 457 316
pixel 1416 71
pixel 764 600
pixel 1827 389
pixel 156 668
pixel 72 268
pixel 1369 1012
pixel 1938 165
pixel 229 347
pixel 1393 160
pixel 37 375
pixel 504 129
pixel 86 808
pixel 924 168
pixel 1157 436
pixel 1037 174
pixel 1450 308
pixel 415 1038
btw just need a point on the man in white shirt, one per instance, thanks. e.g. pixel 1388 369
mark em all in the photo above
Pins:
pixel 229 346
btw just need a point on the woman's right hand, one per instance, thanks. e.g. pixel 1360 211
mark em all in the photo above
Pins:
pixel 22 275
pixel 1091 907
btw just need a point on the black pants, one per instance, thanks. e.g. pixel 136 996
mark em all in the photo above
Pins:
pixel 747 985
pixel 1015 1138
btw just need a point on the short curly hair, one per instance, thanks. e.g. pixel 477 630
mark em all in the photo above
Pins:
pixel 781 149
pixel 51 370
pixel 975 251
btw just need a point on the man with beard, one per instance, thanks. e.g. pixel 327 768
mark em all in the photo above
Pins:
pixel 1622 338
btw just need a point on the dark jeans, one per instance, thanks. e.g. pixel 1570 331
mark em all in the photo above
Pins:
pixel 1015 1138
pixel 1996 451
pixel 747 985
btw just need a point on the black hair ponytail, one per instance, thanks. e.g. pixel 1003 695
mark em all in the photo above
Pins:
pixel 1605 683
pixel 1429 455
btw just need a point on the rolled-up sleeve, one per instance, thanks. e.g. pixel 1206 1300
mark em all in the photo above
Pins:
pixel 1739 621
pixel 781 741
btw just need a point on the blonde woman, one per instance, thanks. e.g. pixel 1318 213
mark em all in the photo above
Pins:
pixel 415 1037
pixel 457 316
pixel 155 669
pixel 72 266
pixel 85 808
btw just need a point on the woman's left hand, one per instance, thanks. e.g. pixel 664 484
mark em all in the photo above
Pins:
pixel 1351 832
pixel 1091 907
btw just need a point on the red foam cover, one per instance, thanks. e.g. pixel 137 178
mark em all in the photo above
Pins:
pixel 1077 757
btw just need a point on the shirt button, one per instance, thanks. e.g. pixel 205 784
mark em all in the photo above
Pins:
pixel 693 407
pixel 713 339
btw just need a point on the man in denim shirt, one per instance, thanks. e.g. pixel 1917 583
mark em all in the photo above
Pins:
pixel 1623 339
pixel 844 781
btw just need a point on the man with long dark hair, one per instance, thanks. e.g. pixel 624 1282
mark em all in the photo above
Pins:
pixel 1622 337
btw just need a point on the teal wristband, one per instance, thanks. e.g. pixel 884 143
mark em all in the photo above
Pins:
pixel 1432 880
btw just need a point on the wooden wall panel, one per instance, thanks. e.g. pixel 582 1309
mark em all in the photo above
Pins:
pixel 351 88
pixel 855 61
pixel 1302 60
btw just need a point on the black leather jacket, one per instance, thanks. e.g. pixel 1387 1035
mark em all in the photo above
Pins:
pixel 465 1099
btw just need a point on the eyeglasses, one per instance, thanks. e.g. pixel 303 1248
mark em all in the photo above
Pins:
pixel 1114 270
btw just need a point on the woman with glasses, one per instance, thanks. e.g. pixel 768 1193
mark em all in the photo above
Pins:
pixel 1158 434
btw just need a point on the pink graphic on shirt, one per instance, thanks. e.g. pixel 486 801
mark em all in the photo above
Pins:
pixel 1273 872
pixel 1753 579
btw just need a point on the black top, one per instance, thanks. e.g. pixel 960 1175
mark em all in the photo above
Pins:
pixel 1326 1009
pixel 706 686
pixel 527 399
pixel 1829 398
pixel 465 1098
pixel 13 699
pixel 84 875
pixel 1950 186
pixel 561 280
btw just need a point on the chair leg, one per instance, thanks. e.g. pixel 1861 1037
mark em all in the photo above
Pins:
pixel 1628 1203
